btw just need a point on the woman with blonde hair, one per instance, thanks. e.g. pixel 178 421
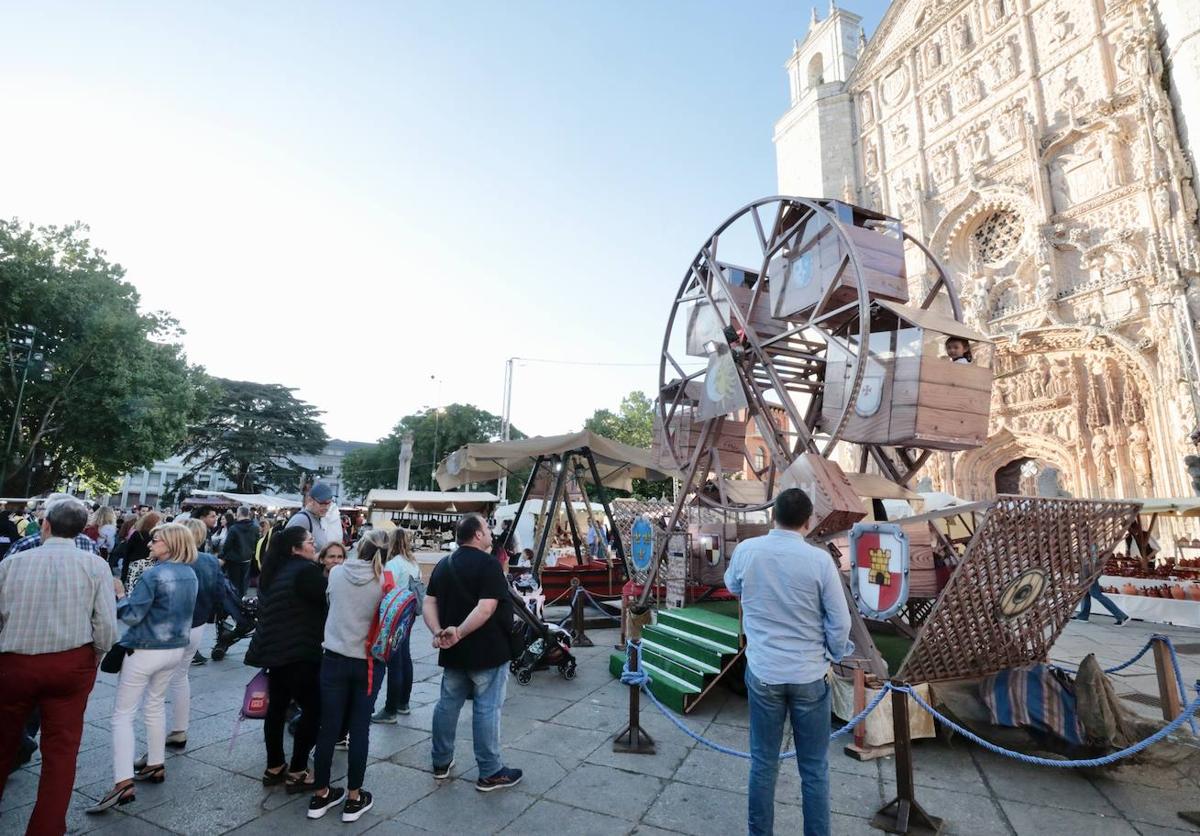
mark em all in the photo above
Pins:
pixel 159 615
pixel 208 595
pixel 349 680
pixel 405 573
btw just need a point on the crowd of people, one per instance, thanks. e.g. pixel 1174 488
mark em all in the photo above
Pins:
pixel 133 597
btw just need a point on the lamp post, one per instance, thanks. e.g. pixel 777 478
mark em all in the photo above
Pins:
pixel 21 344
pixel 506 420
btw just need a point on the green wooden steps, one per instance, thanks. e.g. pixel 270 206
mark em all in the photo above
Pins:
pixel 684 652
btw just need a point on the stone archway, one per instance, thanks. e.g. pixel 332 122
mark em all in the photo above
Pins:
pixel 975 471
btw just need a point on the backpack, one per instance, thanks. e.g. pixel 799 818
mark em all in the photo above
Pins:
pixel 393 623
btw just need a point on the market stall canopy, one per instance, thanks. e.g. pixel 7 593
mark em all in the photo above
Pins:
pixel 619 464
pixel 430 502
pixel 254 500
pixel 1173 507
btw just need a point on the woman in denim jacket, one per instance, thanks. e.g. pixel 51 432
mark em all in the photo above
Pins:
pixel 159 615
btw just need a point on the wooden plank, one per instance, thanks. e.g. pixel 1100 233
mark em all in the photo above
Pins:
pixel 1168 685
pixel 952 398
pixel 963 375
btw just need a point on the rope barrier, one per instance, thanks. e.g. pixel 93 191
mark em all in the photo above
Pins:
pixel 1165 639
pixel 641 679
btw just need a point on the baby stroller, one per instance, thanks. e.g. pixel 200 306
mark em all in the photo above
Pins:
pixel 245 620
pixel 546 645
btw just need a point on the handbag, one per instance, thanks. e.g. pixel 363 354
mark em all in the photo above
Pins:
pixel 114 658
pixel 254 700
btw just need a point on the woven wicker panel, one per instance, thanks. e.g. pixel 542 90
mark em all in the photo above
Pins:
pixel 1023 543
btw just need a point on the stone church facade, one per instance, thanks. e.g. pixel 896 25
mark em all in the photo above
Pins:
pixel 1039 147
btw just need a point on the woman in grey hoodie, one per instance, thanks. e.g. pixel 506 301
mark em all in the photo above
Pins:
pixel 348 685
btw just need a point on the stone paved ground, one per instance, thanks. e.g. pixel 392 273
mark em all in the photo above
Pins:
pixel 559 733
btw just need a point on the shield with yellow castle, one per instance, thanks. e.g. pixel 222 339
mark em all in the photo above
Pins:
pixel 879 564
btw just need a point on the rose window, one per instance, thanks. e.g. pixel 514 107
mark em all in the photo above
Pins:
pixel 996 239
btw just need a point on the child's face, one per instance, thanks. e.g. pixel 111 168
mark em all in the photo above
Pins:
pixel 955 349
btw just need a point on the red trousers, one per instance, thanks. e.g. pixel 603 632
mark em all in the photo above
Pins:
pixel 58 684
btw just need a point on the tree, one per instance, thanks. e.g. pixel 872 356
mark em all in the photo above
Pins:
pixel 632 424
pixel 436 433
pixel 251 434
pixel 102 388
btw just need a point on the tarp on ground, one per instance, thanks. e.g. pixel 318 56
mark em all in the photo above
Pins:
pixel 430 502
pixel 619 464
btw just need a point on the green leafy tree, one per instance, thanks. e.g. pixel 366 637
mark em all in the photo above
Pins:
pixel 103 388
pixel 251 433
pixel 632 424
pixel 436 433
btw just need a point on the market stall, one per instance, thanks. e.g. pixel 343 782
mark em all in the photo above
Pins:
pixel 429 516
pixel 224 500
pixel 566 469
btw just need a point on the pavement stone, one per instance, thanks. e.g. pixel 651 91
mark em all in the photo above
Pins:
pixel 549 818
pixel 560 734
pixel 1033 820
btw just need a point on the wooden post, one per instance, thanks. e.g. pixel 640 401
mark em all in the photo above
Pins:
pixel 860 702
pixel 903 814
pixel 633 739
pixel 1168 685
pixel 579 638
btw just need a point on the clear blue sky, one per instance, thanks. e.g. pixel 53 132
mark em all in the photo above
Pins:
pixel 355 199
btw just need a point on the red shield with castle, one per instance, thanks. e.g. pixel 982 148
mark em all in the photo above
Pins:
pixel 879 577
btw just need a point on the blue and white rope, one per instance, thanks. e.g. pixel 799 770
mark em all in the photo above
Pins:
pixel 641 679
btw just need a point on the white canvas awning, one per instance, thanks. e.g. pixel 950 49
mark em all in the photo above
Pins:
pixel 619 464
pixel 254 500
pixel 430 502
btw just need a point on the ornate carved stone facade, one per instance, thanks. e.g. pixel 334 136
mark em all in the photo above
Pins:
pixel 1033 145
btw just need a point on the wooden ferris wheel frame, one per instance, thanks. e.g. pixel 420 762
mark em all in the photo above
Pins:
pixel 705 281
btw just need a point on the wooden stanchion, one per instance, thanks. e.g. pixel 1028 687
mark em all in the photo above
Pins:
pixel 578 601
pixel 1168 684
pixel 903 814
pixel 633 739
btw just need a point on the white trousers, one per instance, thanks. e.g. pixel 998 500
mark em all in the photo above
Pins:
pixel 181 687
pixel 145 672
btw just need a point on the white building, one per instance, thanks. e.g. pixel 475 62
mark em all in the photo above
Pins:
pixel 145 487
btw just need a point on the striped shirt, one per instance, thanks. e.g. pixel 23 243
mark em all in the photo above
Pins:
pixel 82 541
pixel 56 597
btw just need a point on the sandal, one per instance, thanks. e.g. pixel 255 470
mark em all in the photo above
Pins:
pixel 298 782
pixel 116 796
pixel 153 774
pixel 273 779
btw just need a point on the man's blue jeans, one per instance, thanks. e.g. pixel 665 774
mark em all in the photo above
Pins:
pixel 808 705
pixel 485 688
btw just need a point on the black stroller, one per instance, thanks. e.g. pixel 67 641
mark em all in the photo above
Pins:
pixel 245 620
pixel 546 645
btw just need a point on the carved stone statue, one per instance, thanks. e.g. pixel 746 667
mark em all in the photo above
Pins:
pixel 1139 457
pixel 1101 459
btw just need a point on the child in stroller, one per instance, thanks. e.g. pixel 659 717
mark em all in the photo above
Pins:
pixel 546 645
pixel 245 620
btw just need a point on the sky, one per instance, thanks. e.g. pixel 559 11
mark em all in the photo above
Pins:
pixel 378 204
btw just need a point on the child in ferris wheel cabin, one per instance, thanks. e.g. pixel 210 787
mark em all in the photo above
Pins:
pixel 958 350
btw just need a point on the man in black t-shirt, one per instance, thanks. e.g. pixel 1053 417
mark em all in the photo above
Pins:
pixel 467 609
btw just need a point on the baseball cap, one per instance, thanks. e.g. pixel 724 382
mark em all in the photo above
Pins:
pixel 321 492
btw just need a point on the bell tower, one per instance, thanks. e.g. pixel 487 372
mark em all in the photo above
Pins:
pixel 814 139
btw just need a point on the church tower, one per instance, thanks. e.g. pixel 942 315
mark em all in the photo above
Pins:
pixel 814 140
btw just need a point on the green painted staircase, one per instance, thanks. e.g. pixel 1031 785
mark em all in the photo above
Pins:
pixel 684 652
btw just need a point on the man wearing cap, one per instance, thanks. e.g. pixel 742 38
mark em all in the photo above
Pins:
pixel 316 506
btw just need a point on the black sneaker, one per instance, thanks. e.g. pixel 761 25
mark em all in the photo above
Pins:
pixel 504 778
pixel 199 659
pixel 355 807
pixel 441 772
pixel 343 744
pixel 384 715
pixel 318 806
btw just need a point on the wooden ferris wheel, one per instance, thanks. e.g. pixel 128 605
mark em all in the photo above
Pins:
pixel 794 317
